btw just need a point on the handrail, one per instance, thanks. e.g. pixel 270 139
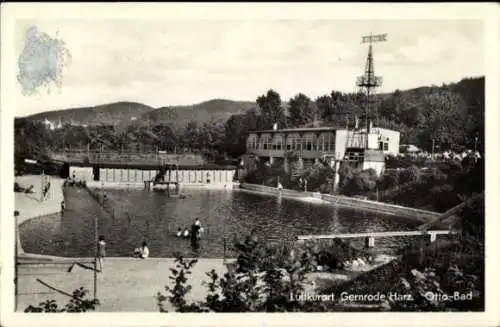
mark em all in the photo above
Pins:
pixel 376 234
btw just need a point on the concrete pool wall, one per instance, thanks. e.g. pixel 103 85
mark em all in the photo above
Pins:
pixel 386 208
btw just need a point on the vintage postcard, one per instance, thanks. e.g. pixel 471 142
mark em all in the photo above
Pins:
pixel 282 164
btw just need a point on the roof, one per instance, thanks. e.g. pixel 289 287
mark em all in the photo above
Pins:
pixel 410 148
pixel 296 130
pixel 154 166
pixel 315 129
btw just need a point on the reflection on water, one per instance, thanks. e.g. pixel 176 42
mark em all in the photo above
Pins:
pixel 224 214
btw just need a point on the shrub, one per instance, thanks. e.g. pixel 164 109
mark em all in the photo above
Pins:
pixel 356 182
pixel 389 180
pixel 78 303
pixel 411 174
pixel 261 279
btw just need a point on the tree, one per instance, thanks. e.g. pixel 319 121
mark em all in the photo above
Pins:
pixel 447 117
pixel 325 107
pixel 411 174
pixel 165 137
pixel 271 109
pixel 302 110
pixel 192 136
pixel 236 131
pixel 32 140
pixel 212 138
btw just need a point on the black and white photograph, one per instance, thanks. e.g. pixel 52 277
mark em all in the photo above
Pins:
pixel 258 158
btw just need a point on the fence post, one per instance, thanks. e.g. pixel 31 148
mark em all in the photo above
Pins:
pixel 369 242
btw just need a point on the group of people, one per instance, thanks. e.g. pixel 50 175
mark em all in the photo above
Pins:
pixel 140 252
pixel 194 234
pixel 143 251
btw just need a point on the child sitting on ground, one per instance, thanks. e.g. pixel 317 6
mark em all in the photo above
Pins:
pixel 142 252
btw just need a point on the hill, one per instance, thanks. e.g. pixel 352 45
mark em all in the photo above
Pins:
pixel 216 110
pixel 106 114
pixel 123 113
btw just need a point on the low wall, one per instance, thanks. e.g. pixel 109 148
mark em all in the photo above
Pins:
pixel 274 190
pixel 140 186
pixel 393 209
pixel 422 215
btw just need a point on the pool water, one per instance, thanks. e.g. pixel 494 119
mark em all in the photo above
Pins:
pixel 132 217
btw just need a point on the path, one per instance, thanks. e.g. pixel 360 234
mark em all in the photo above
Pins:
pixel 29 205
pixel 127 284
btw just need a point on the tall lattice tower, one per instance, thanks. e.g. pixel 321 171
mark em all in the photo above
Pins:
pixel 369 82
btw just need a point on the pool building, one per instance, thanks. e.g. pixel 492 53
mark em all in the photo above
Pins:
pixel 109 169
pixel 300 148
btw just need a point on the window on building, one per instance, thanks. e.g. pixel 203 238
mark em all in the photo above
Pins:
pixel 386 146
pixel 322 143
pixel 308 145
pixel 277 142
pixel 296 143
pixel 326 146
pixel 266 142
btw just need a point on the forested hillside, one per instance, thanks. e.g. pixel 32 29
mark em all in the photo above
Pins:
pixel 451 115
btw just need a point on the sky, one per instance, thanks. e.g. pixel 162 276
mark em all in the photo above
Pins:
pixel 162 62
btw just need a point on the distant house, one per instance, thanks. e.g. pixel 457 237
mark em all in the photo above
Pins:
pixel 410 148
pixel 49 124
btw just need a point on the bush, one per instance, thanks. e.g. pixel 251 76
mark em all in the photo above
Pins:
pixel 411 174
pixel 358 182
pixel 78 303
pixel 261 280
pixel 389 180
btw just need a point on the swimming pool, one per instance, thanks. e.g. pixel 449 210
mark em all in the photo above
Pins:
pixel 225 215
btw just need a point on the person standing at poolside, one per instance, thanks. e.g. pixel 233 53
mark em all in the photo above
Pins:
pixel 101 251
pixel 195 235
pixel 200 229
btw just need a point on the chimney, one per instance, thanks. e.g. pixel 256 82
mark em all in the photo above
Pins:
pixel 275 126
